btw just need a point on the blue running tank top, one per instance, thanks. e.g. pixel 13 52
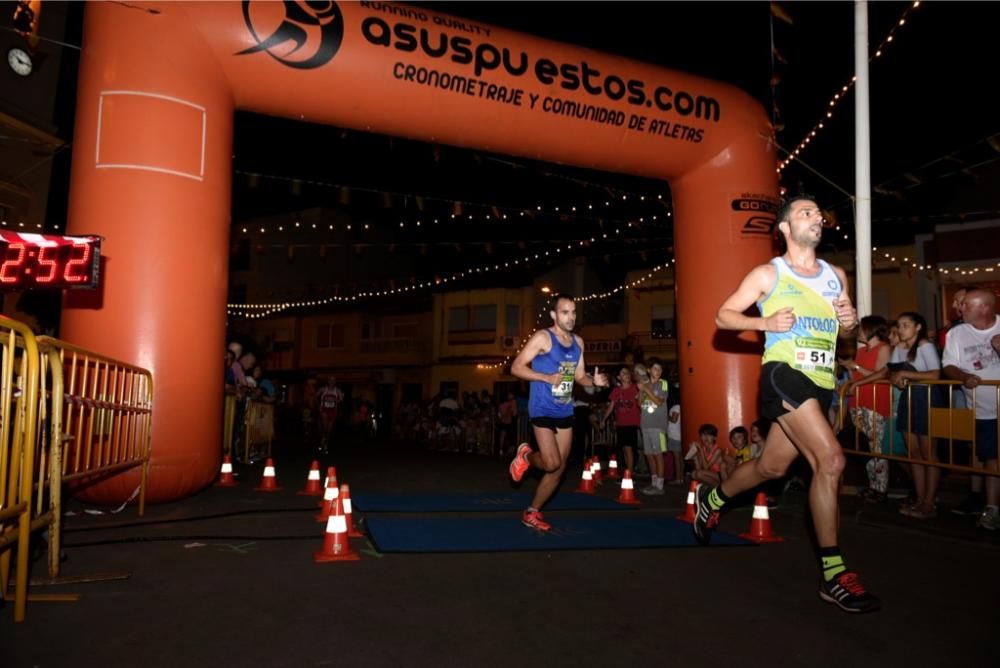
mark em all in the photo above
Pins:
pixel 545 400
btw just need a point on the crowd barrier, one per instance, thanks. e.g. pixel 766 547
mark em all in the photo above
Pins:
pixel 949 422
pixel 248 426
pixel 70 418
pixel 19 514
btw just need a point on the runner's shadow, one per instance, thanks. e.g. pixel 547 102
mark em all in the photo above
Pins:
pixel 740 343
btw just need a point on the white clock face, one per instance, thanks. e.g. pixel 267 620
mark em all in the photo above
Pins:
pixel 19 61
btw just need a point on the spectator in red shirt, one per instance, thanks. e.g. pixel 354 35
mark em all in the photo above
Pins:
pixel 624 402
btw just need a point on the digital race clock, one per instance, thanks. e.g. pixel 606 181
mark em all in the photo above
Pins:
pixel 48 261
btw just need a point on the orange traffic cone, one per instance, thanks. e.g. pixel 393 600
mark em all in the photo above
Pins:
pixel 345 502
pixel 613 467
pixel 627 495
pixel 330 496
pixel 331 474
pixel 760 525
pixel 595 471
pixel 586 482
pixel 226 478
pixel 269 482
pixel 336 547
pixel 688 515
pixel 312 487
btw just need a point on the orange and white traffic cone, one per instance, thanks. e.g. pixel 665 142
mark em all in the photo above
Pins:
pixel 688 515
pixel 331 474
pixel 269 481
pixel 760 525
pixel 586 482
pixel 226 478
pixel 330 496
pixel 595 471
pixel 336 547
pixel 613 467
pixel 345 503
pixel 627 495
pixel 312 487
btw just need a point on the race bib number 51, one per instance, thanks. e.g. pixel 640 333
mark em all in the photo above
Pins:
pixel 813 354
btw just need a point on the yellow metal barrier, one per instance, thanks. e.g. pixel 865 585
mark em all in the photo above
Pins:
pixel 228 421
pixel 105 410
pixel 101 413
pixel 18 412
pixel 246 424
pixel 258 425
pixel 944 422
pixel 67 416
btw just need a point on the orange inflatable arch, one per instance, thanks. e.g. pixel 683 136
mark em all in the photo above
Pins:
pixel 159 83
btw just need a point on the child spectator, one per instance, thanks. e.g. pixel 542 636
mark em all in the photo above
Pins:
pixel 707 456
pixel 739 441
pixel 914 360
pixel 624 402
pixel 653 422
pixel 870 403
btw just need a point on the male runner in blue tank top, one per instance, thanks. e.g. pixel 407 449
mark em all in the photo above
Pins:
pixel 552 360
pixel 804 307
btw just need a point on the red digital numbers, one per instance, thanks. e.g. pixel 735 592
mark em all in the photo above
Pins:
pixel 10 270
pixel 42 261
pixel 49 263
pixel 78 263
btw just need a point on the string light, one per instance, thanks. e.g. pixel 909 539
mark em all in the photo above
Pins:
pixel 255 311
pixel 493 212
pixel 842 93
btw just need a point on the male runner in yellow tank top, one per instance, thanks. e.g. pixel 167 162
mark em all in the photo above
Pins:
pixel 804 306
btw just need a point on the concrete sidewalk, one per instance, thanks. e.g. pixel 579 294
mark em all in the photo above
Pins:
pixel 227 578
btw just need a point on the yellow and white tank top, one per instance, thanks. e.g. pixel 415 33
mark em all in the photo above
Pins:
pixel 811 345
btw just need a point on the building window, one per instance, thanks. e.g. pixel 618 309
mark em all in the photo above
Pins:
pixel 404 330
pixel 512 320
pixel 329 335
pixel 472 318
pixel 484 317
pixel 458 319
pixel 662 321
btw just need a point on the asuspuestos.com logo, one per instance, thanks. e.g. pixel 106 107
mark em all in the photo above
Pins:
pixel 484 56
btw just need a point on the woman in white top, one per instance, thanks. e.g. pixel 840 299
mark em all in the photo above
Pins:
pixel 916 359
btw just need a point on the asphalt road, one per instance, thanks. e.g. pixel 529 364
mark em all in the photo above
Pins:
pixel 227 578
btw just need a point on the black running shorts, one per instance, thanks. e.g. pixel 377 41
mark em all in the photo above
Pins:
pixel 781 384
pixel 553 423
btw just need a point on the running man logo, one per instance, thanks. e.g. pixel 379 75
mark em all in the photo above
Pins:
pixel 762 223
pixel 316 25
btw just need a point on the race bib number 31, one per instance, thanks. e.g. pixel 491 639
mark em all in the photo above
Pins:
pixel 813 354
pixel 563 391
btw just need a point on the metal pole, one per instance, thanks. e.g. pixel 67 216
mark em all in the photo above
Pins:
pixel 863 181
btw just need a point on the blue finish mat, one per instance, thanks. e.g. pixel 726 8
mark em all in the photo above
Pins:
pixel 467 502
pixel 507 534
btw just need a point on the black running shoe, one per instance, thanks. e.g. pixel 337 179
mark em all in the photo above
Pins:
pixel 847 593
pixel 705 518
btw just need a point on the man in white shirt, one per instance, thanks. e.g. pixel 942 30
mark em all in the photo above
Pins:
pixel 972 355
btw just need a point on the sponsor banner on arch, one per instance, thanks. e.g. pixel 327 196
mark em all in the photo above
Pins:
pixel 753 216
pixel 456 58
